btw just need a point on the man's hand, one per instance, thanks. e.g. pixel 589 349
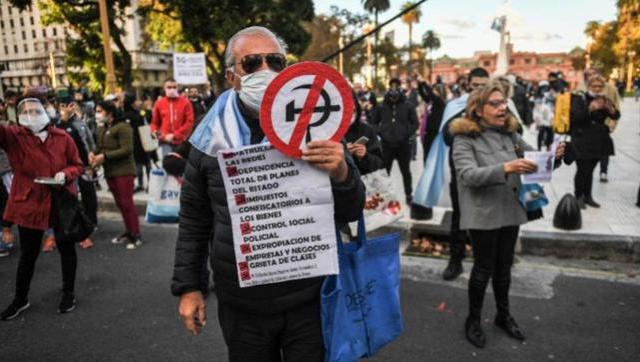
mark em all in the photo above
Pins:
pixel 356 149
pixel 169 138
pixel 193 312
pixel 92 158
pixel 520 166
pixel 328 156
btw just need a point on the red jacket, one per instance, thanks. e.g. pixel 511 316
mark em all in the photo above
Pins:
pixel 29 203
pixel 173 116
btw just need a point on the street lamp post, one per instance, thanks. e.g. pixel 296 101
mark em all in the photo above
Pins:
pixel 106 39
pixel 630 69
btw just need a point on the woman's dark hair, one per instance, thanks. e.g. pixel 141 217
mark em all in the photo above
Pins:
pixel 127 103
pixel 110 108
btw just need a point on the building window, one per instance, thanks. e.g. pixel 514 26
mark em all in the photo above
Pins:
pixel 55 32
pixel 24 35
pixel 1 24
pixel 33 34
pixel 31 20
pixel 6 50
pixel 527 61
pixel 15 47
pixel 21 22
pixel 486 63
pixel 26 48
pixel 10 22
pixel 46 46
pixel 9 8
pixel 35 46
pixel 512 61
pixel 44 33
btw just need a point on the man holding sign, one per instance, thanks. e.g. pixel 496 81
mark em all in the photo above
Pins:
pixel 265 322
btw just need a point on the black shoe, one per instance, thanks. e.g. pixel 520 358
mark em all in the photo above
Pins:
pixel 67 304
pixel 581 203
pixel 453 270
pixel 508 324
pixel 603 177
pixel 138 189
pixel 474 333
pixel 14 309
pixel 591 202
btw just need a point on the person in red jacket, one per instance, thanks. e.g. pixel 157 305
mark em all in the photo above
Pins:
pixel 37 149
pixel 172 117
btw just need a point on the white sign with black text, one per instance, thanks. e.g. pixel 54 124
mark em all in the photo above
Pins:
pixel 281 215
pixel 189 68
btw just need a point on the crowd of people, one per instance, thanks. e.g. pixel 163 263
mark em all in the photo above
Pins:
pixel 78 142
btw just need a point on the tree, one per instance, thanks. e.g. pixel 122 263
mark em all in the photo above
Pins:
pixel 85 55
pixel 601 49
pixel 628 45
pixel 206 25
pixel 375 7
pixel 578 58
pixel 391 55
pixel 410 18
pixel 430 42
pixel 325 33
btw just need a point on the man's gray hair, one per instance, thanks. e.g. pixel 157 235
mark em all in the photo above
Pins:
pixel 229 58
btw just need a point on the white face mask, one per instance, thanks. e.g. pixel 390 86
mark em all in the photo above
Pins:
pixel 594 94
pixel 100 119
pixel 32 115
pixel 51 112
pixel 253 86
pixel 171 92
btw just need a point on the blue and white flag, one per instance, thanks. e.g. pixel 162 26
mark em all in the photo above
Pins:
pixel 499 23
pixel 223 127
pixel 429 187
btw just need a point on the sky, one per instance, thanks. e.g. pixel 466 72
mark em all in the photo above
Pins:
pixel 464 25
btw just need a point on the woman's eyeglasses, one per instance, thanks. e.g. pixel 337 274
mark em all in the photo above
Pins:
pixel 252 62
pixel 497 103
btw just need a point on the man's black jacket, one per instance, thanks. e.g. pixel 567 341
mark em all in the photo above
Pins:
pixel 205 225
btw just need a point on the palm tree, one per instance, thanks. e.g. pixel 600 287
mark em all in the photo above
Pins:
pixel 375 7
pixel 431 42
pixel 410 18
pixel 592 28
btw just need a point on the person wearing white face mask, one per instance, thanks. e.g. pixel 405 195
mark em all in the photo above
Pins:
pixel 172 117
pixel 36 149
pixel 285 316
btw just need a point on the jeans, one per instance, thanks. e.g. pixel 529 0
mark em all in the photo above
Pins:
pixel 402 153
pixel 604 165
pixel 122 189
pixel 583 180
pixel 493 256
pixel 293 335
pixel 30 241
pixel 142 169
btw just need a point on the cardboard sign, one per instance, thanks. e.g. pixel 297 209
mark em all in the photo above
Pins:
pixel 281 215
pixel 307 101
pixel 189 68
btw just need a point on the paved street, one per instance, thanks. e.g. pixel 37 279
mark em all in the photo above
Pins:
pixel 570 311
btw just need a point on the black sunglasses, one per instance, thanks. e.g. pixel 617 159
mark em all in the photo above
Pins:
pixel 252 62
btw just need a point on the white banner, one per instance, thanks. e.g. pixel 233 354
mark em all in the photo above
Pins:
pixel 189 68
pixel 281 215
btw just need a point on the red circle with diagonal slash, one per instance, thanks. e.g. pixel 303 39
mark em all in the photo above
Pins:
pixel 323 73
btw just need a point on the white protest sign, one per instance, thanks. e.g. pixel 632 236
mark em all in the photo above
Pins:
pixel 281 215
pixel 189 68
pixel 305 102
pixel 545 161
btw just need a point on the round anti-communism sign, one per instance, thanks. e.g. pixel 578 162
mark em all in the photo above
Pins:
pixel 307 101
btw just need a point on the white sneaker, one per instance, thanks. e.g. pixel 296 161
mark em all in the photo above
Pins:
pixel 134 245
pixel 120 239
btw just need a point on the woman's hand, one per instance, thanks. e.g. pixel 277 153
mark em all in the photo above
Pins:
pixel 98 160
pixel 520 166
pixel 561 150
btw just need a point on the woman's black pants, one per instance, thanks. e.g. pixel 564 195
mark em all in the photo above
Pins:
pixel 30 241
pixel 583 181
pixel 493 253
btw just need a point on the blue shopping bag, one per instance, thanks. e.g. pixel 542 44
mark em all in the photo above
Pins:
pixel 361 305
pixel 163 205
